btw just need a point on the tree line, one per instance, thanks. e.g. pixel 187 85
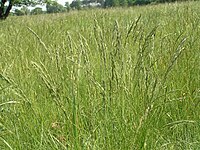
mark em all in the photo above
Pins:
pixel 51 7
pixel 54 7
pixel 116 3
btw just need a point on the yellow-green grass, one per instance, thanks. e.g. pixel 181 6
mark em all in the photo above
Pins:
pixel 124 78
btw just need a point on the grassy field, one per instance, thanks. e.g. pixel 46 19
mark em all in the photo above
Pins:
pixel 113 79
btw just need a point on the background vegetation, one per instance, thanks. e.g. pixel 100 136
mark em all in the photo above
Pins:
pixel 55 7
pixel 101 79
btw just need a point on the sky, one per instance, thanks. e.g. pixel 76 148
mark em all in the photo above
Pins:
pixel 63 1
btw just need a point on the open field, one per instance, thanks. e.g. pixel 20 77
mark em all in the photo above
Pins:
pixel 113 79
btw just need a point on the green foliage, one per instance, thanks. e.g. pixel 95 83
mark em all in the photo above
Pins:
pixel 37 11
pixel 23 11
pixel 123 2
pixel 19 12
pixel 102 79
pixel 5 10
pixel 107 3
pixel 67 6
pixel 115 2
pixel 131 2
pixel 27 2
pixel 54 7
pixel 76 4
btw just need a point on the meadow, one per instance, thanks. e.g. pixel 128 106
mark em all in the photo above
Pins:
pixel 110 79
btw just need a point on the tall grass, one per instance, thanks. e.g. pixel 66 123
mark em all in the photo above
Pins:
pixel 101 79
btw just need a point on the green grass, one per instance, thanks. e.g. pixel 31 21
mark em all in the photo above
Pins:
pixel 102 79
